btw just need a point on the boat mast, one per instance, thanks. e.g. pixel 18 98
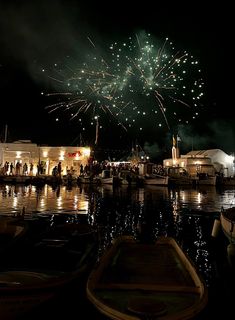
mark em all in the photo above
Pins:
pixel 96 130
pixel 5 137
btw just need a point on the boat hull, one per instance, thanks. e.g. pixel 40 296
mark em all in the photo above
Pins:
pixel 157 180
pixel 207 180
pixel 227 219
pixel 136 281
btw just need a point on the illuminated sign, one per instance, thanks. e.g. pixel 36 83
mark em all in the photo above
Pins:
pixel 74 154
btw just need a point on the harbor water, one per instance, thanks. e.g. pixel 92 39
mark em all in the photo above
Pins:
pixel 186 213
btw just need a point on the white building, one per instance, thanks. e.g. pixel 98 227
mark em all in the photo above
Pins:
pixel 24 151
pixel 204 161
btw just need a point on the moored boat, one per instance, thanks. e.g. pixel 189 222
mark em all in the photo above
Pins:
pixel 88 179
pixel 227 220
pixel 136 281
pixel 156 179
pixel 130 178
pixel 106 177
pixel 45 266
pixel 227 181
pixel 205 179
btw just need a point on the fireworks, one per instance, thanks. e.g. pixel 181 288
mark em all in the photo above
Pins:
pixel 139 84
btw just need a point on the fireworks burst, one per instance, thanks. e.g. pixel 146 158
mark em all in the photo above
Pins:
pixel 136 83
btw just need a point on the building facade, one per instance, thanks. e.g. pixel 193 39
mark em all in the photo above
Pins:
pixel 211 162
pixel 24 152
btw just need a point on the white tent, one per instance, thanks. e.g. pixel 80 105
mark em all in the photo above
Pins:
pixel 222 162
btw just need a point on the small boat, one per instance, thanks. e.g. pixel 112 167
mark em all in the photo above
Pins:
pixel 106 177
pixel 153 174
pixel 130 178
pixel 227 220
pixel 70 178
pixel 88 179
pixel 45 266
pixel 180 176
pixel 205 179
pixel 136 281
pixel 156 179
pixel 227 181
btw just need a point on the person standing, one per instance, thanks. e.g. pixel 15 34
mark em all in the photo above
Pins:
pixel 18 166
pixel 25 169
pixel 31 169
pixel 11 169
pixel 59 169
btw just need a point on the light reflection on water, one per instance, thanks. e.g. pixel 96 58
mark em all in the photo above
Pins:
pixel 155 210
pixel 14 197
pixel 124 209
pixel 120 210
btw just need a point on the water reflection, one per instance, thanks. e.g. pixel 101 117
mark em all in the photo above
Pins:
pixel 14 197
pixel 184 213
pixel 77 198
pixel 154 210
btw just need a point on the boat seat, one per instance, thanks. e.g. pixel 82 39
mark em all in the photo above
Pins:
pixel 147 307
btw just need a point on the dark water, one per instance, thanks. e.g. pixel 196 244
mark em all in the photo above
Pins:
pixel 186 214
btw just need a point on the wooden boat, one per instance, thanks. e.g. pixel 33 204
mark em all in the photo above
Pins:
pixel 227 220
pixel 88 179
pixel 42 268
pixel 69 178
pixel 180 176
pixel 106 177
pixel 227 181
pixel 136 281
pixel 156 179
pixel 131 178
pixel 205 179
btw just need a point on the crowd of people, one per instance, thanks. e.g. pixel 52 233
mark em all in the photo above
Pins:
pixel 91 169
pixel 17 169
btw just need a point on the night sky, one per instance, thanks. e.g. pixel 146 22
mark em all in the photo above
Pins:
pixel 36 35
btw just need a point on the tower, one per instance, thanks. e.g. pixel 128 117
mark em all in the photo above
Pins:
pixel 174 151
